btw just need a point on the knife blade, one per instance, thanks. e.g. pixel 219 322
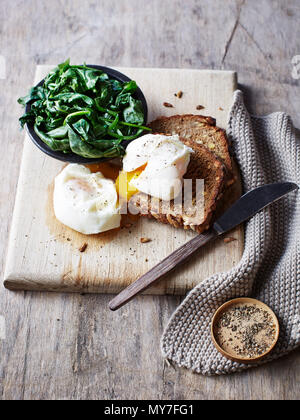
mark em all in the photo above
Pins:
pixel 251 203
pixel 243 209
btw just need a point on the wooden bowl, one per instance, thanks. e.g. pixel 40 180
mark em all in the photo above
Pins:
pixel 230 353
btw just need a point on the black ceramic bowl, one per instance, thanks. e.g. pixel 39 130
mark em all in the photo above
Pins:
pixel 72 157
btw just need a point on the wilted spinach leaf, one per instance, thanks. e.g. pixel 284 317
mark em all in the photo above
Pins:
pixel 134 112
pixel 81 110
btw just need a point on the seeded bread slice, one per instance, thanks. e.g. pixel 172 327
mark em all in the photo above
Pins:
pixel 201 130
pixel 203 165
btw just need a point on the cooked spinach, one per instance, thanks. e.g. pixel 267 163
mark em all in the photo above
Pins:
pixel 82 110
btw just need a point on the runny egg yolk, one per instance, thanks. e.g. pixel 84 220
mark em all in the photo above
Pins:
pixel 123 187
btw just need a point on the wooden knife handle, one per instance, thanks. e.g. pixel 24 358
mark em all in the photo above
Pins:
pixel 165 266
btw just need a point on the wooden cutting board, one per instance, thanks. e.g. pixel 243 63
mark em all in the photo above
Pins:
pixel 44 255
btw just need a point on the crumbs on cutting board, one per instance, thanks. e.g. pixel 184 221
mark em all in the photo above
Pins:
pixel 199 107
pixel 145 240
pixel 179 94
pixel 228 240
pixel 83 247
pixel 168 105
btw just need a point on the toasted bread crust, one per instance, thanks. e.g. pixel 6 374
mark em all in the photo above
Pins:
pixel 181 119
pixel 202 130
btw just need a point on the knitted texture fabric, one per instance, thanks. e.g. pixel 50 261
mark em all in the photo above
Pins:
pixel 267 150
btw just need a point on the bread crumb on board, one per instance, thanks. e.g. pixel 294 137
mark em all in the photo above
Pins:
pixel 83 247
pixel 228 240
pixel 145 240
pixel 179 94
pixel 168 105
pixel 199 107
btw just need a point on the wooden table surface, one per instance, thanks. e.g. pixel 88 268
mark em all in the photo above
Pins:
pixel 59 346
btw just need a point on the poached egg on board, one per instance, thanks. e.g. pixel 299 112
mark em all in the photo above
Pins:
pixel 154 164
pixel 84 201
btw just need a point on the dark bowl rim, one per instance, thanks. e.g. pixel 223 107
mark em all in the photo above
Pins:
pixel 72 157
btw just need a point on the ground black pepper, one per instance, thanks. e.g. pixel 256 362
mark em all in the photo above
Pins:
pixel 245 330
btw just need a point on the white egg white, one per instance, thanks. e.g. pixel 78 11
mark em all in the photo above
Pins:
pixel 167 159
pixel 86 202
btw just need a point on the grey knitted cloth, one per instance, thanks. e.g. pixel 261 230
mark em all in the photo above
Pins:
pixel 267 150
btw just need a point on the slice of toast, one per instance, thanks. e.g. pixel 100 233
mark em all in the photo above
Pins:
pixel 201 130
pixel 203 165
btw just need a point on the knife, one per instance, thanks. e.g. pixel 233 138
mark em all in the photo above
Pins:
pixel 243 209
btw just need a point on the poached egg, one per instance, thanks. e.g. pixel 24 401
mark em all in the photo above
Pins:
pixel 84 201
pixel 154 164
